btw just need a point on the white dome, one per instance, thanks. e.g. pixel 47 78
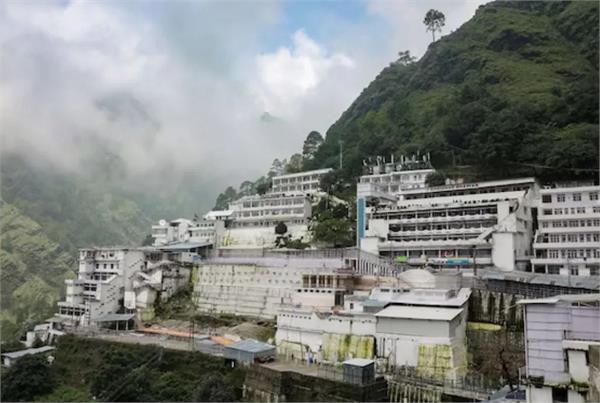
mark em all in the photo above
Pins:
pixel 418 278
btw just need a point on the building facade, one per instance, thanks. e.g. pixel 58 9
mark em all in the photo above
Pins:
pixel 567 241
pixel 307 182
pixel 485 224
pixel 559 332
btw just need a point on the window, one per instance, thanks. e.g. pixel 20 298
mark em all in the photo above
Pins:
pixel 548 198
pixel 553 254
pixel 558 211
pixel 594 196
pixel 560 198
pixel 576 196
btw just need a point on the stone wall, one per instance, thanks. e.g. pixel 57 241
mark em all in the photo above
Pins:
pixel 264 384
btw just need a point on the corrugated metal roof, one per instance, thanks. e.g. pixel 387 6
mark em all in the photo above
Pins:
pixel 419 312
pixel 29 351
pixel 562 298
pixel 251 346
pixel 358 362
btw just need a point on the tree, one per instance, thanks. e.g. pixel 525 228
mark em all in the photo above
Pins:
pixel 281 228
pixel 404 58
pixel 214 389
pixel 148 240
pixel 225 198
pixel 311 144
pixel 262 185
pixel 434 21
pixel 295 164
pixel 29 377
pixel 435 179
pixel 277 168
pixel 336 232
pixel 246 188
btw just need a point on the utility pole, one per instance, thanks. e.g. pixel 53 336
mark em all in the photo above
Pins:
pixel 340 142
pixel 474 261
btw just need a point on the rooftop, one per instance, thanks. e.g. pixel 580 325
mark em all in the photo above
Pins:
pixel 420 313
pixel 297 174
pixel 29 351
pixel 562 298
pixel 184 246
pixel 358 362
pixel 251 346
pixel 115 317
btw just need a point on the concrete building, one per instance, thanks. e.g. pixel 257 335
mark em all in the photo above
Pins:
pixel 270 209
pixel 384 179
pixel 103 276
pixel 468 224
pixel 116 280
pixel 209 229
pixel 307 182
pixel 559 331
pixel 567 241
pixel 8 359
pixel 419 328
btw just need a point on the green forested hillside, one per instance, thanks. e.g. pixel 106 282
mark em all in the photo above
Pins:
pixel 33 272
pixel 45 216
pixel 514 91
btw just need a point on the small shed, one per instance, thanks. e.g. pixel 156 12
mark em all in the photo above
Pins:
pixel 9 359
pixel 249 351
pixel 359 371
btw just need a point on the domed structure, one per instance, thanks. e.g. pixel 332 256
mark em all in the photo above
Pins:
pixel 418 278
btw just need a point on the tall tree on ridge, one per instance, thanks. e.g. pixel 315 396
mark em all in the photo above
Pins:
pixel 434 20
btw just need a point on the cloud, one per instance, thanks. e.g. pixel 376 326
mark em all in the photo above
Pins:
pixel 287 76
pixel 405 19
pixel 178 88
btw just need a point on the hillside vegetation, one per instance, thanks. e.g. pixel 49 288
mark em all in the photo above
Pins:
pixel 45 217
pixel 514 91
pixel 95 370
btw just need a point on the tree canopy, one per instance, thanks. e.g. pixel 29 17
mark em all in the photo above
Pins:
pixel 434 21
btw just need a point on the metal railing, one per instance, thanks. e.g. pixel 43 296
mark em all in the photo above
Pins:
pixel 469 382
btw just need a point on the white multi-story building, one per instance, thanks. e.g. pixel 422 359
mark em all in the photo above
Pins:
pixel 485 223
pixel 568 238
pixel 306 182
pixel 115 284
pixel 419 328
pixel 559 331
pixel 270 209
pixel 392 179
pixel 103 276
pixel 209 229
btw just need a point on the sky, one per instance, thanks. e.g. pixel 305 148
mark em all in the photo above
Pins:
pixel 184 86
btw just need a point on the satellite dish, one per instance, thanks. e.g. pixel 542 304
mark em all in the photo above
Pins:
pixel 162 223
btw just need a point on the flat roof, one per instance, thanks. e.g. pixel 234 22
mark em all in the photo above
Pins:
pixel 471 185
pixel 29 351
pixel 419 312
pixel 358 362
pixel 251 346
pixel 115 317
pixel 314 171
pixel 184 245
pixel 562 298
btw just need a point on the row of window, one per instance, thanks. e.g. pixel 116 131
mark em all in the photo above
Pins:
pixel 572 210
pixel 558 238
pixel 273 203
pixel 105 266
pixel 265 223
pixel 562 197
pixel 573 253
pixel 306 178
pixel 393 178
pixel 272 212
pixel 572 223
